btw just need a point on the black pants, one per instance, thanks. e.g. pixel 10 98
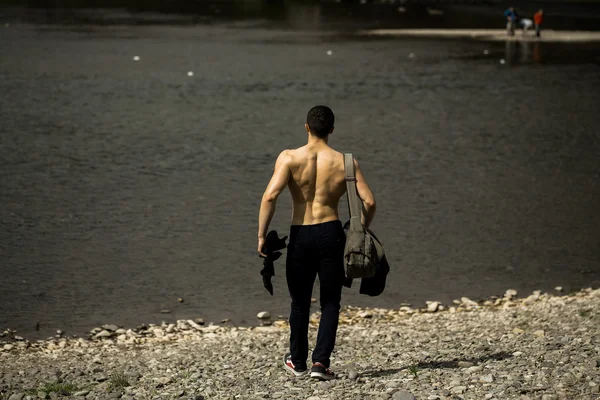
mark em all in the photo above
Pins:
pixel 315 249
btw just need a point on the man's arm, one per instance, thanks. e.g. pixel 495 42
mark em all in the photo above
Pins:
pixel 365 194
pixel 278 182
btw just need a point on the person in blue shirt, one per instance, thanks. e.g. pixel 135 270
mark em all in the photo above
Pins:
pixel 511 20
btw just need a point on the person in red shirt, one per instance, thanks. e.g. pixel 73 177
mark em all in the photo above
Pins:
pixel 538 17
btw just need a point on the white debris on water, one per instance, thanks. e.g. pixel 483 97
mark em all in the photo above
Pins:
pixel 136 58
pixel 486 52
pixel 502 61
pixel 190 73
pixel 411 55
pixel 329 52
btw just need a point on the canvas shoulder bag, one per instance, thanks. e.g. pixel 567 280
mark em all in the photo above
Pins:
pixel 363 251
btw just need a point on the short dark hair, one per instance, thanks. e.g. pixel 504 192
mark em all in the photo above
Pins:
pixel 320 120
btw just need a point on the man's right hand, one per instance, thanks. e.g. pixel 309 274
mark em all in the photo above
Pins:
pixel 261 246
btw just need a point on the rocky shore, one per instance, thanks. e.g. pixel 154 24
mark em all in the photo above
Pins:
pixel 539 347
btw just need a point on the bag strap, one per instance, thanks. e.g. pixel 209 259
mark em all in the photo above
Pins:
pixel 354 202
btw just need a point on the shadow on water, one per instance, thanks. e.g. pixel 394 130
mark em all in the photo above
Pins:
pixel 443 364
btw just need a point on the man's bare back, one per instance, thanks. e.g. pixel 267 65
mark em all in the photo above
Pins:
pixel 315 176
pixel 316 183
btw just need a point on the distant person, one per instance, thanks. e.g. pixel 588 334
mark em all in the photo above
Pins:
pixel 525 23
pixel 511 20
pixel 538 18
pixel 316 179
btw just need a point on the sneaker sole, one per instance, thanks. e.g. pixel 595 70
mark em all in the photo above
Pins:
pixel 322 376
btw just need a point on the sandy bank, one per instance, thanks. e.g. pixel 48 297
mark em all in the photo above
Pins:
pixel 488 34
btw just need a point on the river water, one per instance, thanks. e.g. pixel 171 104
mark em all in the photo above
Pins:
pixel 125 185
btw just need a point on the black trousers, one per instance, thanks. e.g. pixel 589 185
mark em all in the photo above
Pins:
pixel 315 250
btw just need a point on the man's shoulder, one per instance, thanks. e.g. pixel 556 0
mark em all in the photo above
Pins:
pixel 289 154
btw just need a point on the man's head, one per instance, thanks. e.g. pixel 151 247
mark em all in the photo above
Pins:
pixel 319 121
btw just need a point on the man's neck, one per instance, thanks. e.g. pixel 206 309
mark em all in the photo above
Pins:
pixel 317 141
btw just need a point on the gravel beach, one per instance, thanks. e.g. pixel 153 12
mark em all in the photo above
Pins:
pixel 538 347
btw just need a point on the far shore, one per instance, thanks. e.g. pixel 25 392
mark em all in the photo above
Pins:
pixel 488 34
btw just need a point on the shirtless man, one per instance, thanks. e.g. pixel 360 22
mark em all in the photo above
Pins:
pixel 315 177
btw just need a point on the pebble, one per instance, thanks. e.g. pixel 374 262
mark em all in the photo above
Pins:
pixel 17 396
pixel 103 334
pixel 110 327
pixel 468 302
pixel 352 375
pixel 263 315
pixel 403 395
pixel 458 389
